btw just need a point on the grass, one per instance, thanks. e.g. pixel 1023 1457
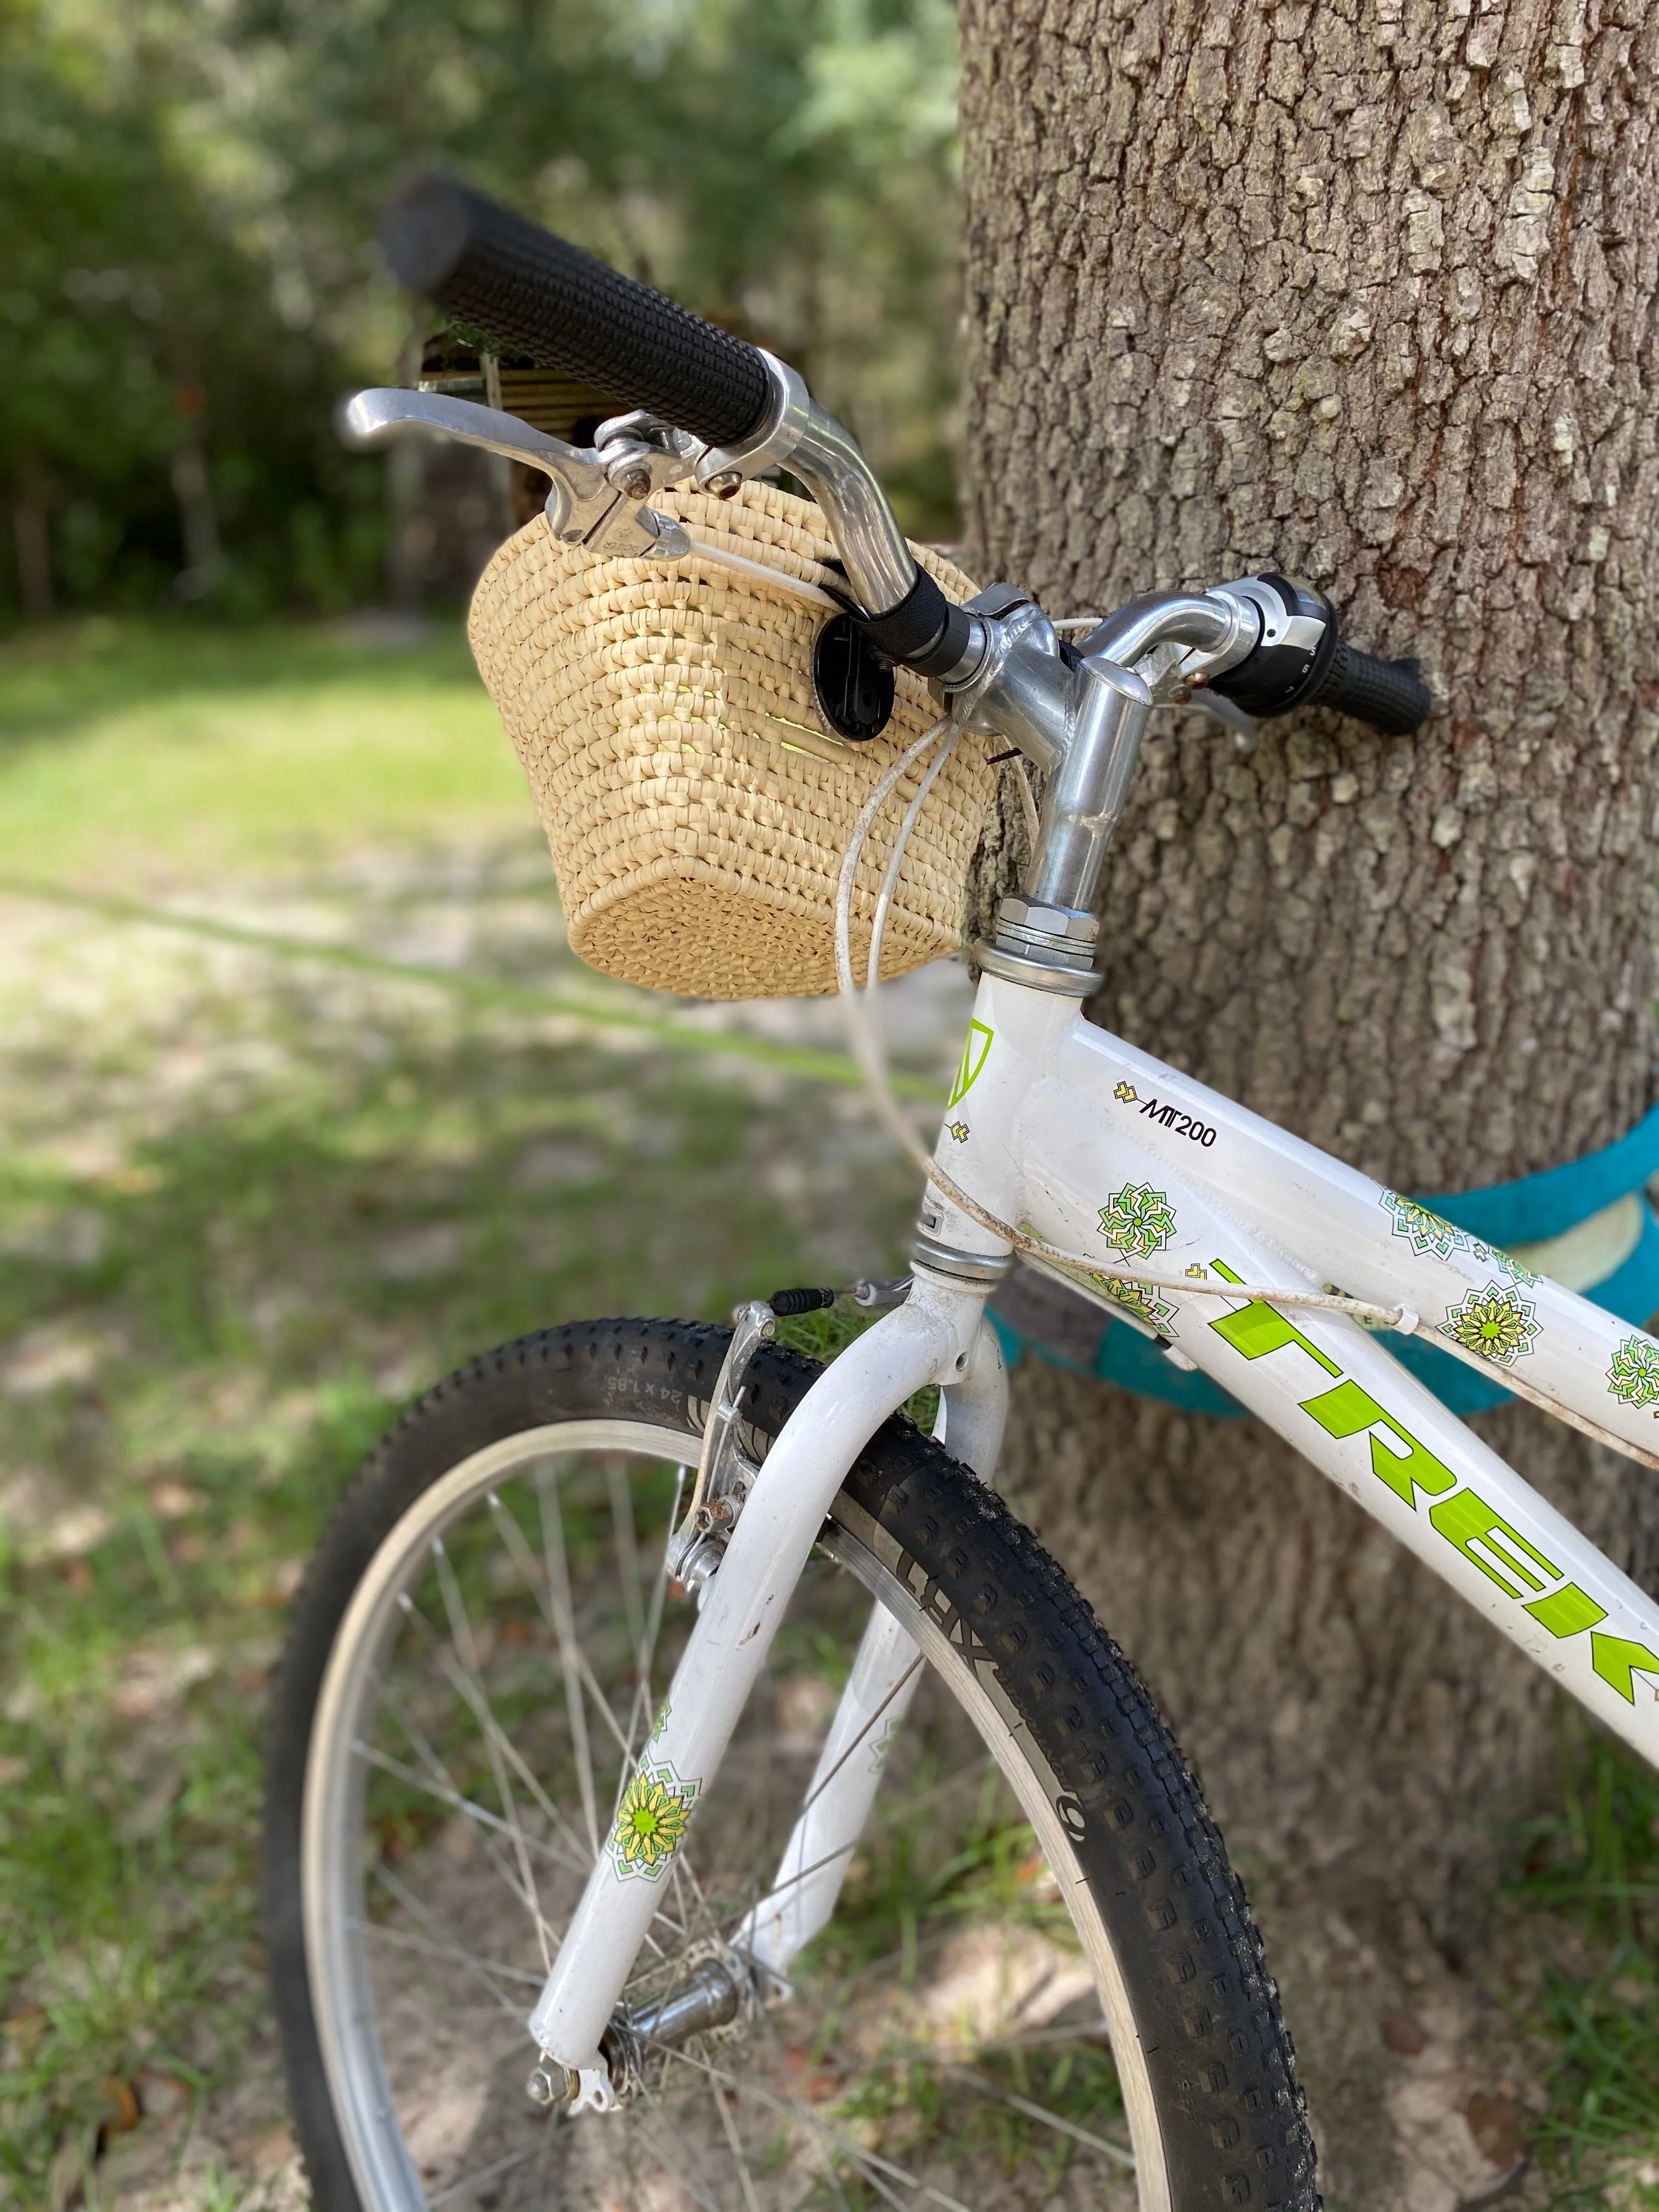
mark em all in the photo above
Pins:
pixel 1595 1865
pixel 129 749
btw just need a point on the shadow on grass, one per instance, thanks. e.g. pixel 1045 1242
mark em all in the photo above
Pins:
pixel 1595 1864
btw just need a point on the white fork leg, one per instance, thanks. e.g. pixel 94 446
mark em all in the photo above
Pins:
pixel 929 1339
pixel 838 1799
pixel 877 1694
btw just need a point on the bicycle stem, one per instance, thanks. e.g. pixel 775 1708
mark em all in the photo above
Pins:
pixel 1078 716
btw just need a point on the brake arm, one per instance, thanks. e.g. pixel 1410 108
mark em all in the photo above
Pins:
pixel 584 507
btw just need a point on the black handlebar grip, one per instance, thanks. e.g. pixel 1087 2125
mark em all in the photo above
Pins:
pixel 1389 694
pixel 536 294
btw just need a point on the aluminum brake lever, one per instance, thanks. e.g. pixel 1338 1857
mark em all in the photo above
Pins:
pixel 584 507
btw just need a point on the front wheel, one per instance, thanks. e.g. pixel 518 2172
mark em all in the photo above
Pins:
pixel 1042 1984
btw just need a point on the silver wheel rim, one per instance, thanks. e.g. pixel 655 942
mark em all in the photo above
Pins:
pixel 338 1927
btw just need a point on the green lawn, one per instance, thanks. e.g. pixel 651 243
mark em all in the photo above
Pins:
pixel 130 752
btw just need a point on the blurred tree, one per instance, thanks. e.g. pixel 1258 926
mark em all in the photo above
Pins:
pixel 140 341
pixel 196 191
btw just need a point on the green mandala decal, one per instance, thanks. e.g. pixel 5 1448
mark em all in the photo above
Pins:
pixel 1496 1323
pixel 1137 1221
pixel 651 1820
pixel 1512 1268
pixel 1633 1377
pixel 1423 1230
pixel 1135 1298
pixel 1426 1232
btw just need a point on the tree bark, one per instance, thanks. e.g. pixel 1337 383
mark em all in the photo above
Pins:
pixel 31 518
pixel 1363 290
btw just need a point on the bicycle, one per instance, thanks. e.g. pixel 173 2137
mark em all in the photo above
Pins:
pixel 617 1575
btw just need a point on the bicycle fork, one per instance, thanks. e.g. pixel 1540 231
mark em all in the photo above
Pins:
pixel 937 1336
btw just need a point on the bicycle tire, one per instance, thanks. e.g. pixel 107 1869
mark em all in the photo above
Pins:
pixel 1215 2111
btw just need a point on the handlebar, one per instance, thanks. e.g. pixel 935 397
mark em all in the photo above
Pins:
pixel 712 408
pixel 534 292
pixel 1302 660
pixel 515 283
pixel 1389 694
pixel 1279 645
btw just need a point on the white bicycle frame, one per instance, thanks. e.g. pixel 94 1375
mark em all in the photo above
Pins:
pixel 1088 1144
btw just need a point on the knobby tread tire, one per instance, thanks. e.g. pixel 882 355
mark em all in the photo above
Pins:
pixel 1219 2056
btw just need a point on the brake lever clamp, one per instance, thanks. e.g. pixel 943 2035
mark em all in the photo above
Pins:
pixel 584 507
pixel 642 454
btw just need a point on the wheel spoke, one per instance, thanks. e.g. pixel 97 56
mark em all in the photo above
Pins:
pixel 564 1629
pixel 413 1907
pixel 478 2177
pixel 401 1940
pixel 746 2179
pixel 675 2166
pixel 870 2161
pixel 1040 2113
pixel 472 1694
pixel 644 1705
pixel 464 1646
pixel 629 1574
pixel 440 1786
pixel 863 1735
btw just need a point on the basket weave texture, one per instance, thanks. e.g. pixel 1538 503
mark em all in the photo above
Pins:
pixel 697 809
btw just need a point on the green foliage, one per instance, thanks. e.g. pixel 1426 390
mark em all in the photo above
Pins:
pixel 188 199
pixel 141 333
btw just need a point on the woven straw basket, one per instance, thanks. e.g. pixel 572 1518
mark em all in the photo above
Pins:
pixel 697 809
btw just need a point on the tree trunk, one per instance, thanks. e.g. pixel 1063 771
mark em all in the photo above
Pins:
pixel 1363 290
pixel 31 521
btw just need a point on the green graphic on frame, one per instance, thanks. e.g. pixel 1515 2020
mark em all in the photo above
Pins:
pixel 973 1059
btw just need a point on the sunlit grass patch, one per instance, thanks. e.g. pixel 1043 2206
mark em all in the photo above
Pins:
pixel 131 750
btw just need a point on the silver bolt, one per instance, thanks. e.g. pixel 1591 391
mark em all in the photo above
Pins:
pixel 549 2085
pixel 725 485
pixel 637 483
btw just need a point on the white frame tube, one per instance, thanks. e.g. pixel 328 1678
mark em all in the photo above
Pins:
pixel 883 1681
pixel 929 1339
pixel 1061 1120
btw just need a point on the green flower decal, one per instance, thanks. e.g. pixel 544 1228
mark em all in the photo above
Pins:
pixel 1512 1268
pixel 1426 1232
pixel 1137 1221
pixel 1633 1377
pixel 1423 1230
pixel 650 1821
pixel 1135 1298
pixel 1496 1323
